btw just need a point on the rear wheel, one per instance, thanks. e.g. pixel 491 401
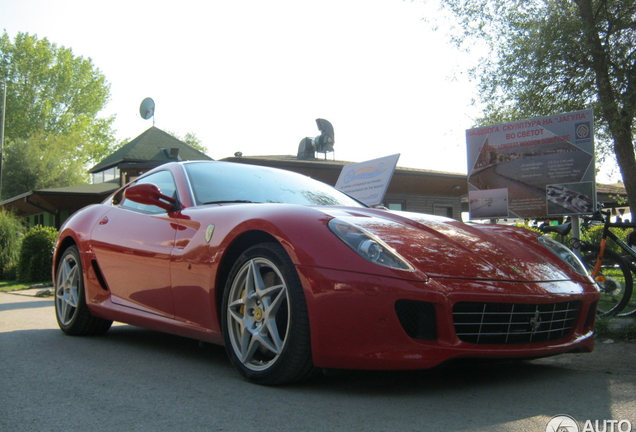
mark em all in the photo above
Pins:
pixel 614 281
pixel 265 319
pixel 71 311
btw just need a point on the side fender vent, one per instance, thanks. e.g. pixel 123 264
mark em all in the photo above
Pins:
pixel 99 275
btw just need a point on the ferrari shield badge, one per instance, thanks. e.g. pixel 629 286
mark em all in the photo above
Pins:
pixel 516 270
pixel 208 233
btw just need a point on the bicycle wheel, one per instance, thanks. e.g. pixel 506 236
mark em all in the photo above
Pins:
pixel 614 280
pixel 630 307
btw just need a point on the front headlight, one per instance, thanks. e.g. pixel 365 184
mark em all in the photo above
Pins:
pixel 367 245
pixel 564 253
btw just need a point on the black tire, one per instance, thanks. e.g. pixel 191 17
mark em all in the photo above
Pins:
pixel 614 280
pixel 630 308
pixel 71 311
pixel 265 319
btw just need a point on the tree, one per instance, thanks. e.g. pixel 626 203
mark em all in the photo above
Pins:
pixel 192 140
pixel 551 56
pixel 41 162
pixel 52 104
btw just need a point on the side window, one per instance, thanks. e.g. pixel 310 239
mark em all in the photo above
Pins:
pixel 164 181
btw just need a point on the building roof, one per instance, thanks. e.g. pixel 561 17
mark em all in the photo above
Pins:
pixel 288 160
pixel 152 145
pixel 405 180
pixel 611 195
pixel 151 148
pixel 609 189
pixel 71 198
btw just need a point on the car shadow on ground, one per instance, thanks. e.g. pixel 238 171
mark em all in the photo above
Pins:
pixel 175 375
pixel 458 374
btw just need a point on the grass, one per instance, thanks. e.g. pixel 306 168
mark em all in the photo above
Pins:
pixel 615 328
pixel 16 286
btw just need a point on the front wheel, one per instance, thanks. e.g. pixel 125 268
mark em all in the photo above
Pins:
pixel 71 311
pixel 265 318
pixel 614 280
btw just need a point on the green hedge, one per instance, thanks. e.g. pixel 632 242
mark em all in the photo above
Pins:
pixel 595 233
pixel 11 233
pixel 36 254
pixel 592 235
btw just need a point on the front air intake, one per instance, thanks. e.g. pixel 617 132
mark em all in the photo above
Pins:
pixel 417 319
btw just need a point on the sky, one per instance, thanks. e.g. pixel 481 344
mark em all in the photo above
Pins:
pixel 253 75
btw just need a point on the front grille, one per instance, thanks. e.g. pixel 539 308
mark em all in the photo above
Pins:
pixel 513 323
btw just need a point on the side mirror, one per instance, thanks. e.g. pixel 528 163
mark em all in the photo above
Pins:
pixel 150 194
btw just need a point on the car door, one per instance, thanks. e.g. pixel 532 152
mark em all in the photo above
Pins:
pixel 193 262
pixel 133 244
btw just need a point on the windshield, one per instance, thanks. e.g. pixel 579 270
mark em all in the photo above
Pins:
pixel 223 182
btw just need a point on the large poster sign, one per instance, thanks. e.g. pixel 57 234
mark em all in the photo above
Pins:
pixel 532 168
pixel 368 181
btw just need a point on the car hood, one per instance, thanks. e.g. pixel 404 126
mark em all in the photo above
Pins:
pixel 442 247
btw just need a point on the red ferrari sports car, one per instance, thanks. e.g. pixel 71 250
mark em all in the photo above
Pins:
pixel 292 275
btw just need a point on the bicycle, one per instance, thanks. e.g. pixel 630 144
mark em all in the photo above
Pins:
pixel 611 271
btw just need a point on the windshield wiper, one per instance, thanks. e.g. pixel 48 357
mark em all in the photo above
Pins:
pixel 229 202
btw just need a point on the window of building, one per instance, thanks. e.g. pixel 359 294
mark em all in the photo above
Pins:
pixel 111 174
pixel 37 219
pixel 106 175
pixel 443 210
pixel 396 205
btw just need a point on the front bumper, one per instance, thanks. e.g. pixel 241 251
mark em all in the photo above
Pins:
pixel 357 321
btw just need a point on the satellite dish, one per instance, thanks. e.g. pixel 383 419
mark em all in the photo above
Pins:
pixel 147 108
